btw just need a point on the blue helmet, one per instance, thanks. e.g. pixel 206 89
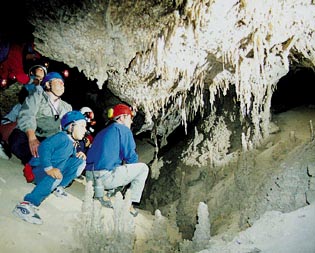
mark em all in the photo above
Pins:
pixel 71 117
pixel 50 76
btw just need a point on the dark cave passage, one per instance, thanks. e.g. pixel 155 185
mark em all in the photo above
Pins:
pixel 293 90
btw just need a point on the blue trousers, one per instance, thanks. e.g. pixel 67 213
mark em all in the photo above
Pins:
pixel 45 184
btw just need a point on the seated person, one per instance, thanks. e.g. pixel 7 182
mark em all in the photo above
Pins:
pixel 112 160
pixel 8 123
pixel 13 114
pixel 39 118
pixel 86 143
pixel 36 74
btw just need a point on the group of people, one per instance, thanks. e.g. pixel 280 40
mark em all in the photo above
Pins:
pixel 54 145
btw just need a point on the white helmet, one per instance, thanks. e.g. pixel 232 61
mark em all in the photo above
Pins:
pixel 85 109
pixel 89 117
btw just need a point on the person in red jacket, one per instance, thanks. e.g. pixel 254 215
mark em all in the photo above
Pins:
pixel 11 68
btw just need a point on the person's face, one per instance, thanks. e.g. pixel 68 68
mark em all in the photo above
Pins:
pixel 127 120
pixel 39 74
pixel 57 86
pixel 79 129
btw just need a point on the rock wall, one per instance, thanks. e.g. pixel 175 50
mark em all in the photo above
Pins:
pixel 161 55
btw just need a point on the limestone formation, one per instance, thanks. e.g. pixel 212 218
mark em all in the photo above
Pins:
pixel 213 64
pixel 161 56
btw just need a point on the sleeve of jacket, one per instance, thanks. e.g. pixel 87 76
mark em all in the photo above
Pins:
pixel 128 147
pixel 27 115
pixel 48 147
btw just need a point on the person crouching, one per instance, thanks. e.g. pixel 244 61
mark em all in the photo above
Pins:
pixel 56 167
pixel 112 160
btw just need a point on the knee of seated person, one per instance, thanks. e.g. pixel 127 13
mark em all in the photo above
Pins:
pixel 145 168
pixel 79 161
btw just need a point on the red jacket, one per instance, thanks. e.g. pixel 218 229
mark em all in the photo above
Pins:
pixel 12 67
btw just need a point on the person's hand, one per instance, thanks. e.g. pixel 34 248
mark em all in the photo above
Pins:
pixel 33 144
pixel 54 173
pixel 87 142
pixel 81 155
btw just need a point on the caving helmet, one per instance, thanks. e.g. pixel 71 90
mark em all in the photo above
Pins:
pixel 120 109
pixel 89 117
pixel 88 113
pixel 49 77
pixel 32 69
pixel 71 117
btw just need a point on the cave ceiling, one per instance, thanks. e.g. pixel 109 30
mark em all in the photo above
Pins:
pixel 163 56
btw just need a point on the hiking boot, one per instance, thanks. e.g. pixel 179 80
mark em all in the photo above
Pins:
pixel 133 211
pixel 26 211
pixel 105 203
pixel 112 192
pixel 60 192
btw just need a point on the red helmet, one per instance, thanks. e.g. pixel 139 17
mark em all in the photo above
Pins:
pixel 120 109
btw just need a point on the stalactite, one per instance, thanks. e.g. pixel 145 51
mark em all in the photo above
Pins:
pixel 166 55
pixel 211 145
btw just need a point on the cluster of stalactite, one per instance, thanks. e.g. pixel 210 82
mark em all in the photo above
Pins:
pixel 161 57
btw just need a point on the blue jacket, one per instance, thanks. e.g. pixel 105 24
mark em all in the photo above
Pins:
pixel 111 147
pixel 54 151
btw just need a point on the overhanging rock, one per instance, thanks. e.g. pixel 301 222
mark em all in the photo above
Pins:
pixel 162 56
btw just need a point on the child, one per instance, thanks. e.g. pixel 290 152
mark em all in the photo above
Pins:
pixel 56 167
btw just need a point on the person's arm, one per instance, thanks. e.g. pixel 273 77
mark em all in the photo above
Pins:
pixel 33 142
pixel 27 121
pixel 12 115
pixel 47 150
pixel 27 115
pixel 129 148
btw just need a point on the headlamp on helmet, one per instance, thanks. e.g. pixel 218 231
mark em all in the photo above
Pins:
pixel 89 117
pixel 88 113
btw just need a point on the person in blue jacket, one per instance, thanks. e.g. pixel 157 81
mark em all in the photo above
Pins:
pixel 112 160
pixel 57 165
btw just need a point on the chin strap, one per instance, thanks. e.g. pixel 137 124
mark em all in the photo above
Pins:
pixel 50 90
